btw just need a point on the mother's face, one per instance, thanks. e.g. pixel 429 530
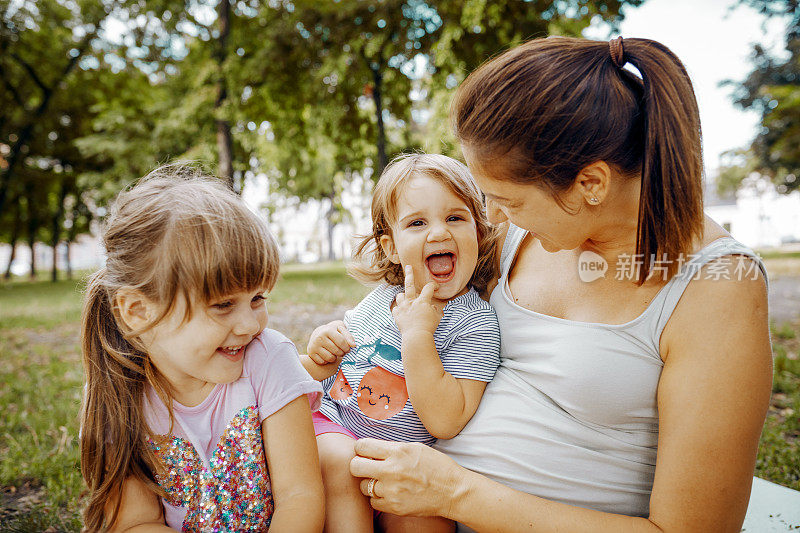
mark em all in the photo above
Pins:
pixel 530 207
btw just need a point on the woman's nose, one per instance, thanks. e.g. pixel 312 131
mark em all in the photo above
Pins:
pixel 494 213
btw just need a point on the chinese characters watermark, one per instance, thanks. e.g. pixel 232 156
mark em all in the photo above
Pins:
pixel 592 266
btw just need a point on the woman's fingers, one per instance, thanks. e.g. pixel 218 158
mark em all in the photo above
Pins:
pixel 374 448
pixel 364 485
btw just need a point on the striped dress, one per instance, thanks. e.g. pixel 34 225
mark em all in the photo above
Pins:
pixel 367 394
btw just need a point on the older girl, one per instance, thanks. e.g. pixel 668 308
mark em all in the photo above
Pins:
pixel 195 417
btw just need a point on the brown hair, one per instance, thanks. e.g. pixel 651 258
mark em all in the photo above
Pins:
pixel 552 106
pixel 175 233
pixel 372 265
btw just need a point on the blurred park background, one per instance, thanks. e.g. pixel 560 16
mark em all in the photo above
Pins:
pixel 299 105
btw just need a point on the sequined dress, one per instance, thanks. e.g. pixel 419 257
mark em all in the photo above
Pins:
pixel 216 475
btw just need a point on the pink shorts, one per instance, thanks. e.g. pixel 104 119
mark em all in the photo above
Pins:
pixel 323 424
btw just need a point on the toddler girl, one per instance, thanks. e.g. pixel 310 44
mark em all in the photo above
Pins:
pixel 195 417
pixel 411 361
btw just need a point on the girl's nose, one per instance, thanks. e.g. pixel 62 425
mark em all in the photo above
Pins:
pixel 438 232
pixel 247 322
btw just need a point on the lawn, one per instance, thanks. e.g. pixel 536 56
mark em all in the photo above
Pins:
pixel 41 376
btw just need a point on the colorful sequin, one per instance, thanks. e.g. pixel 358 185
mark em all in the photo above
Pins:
pixel 234 493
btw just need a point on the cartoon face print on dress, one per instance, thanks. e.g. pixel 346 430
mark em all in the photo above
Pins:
pixel 341 389
pixel 382 394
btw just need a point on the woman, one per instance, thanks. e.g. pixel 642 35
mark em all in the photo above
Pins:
pixel 636 367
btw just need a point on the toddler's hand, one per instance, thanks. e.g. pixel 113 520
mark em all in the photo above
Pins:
pixel 416 313
pixel 329 343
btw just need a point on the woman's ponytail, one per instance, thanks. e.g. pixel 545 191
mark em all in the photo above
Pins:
pixel 671 200
pixel 550 107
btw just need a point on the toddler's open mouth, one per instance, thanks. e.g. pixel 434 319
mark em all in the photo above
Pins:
pixel 442 266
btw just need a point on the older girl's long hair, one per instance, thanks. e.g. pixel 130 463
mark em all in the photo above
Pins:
pixel 552 106
pixel 370 262
pixel 177 233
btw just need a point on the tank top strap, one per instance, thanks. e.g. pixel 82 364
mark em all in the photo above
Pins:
pixel 513 239
pixel 661 308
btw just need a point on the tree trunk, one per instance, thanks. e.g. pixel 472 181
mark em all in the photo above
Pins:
pixel 56 229
pixel 224 137
pixel 26 131
pixel 67 261
pixel 331 224
pixel 377 78
pixel 13 241
pixel 31 244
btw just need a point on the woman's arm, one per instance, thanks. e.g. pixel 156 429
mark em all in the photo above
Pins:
pixel 712 399
pixel 139 510
pixel 293 462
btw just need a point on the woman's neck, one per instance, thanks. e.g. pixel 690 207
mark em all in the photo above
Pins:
pixel 614 228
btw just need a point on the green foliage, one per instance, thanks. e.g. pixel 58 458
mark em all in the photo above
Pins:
pixel 773 90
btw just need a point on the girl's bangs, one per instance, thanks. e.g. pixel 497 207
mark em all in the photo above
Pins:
pixel 229 254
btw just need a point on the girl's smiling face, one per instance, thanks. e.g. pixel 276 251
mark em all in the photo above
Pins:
pixel 435 233
pixel 209 347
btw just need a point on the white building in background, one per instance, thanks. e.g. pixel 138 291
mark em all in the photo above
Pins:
pixel 758 215
pixel 302 229
pixel 85 254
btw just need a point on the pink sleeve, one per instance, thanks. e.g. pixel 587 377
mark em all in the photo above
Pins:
pixel 274 369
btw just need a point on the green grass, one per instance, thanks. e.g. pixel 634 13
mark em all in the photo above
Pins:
pixel 41 380
pixel 779 450
pixel 779 254
pixel 323 285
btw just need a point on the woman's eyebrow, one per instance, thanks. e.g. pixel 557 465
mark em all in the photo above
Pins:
pixel 495 198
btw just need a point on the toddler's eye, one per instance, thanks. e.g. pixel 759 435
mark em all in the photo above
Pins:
pixel 415 223
pixel 258 298
pixel 453 218
pixel 222 305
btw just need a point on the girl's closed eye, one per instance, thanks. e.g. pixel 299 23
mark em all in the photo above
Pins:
pixel 258 298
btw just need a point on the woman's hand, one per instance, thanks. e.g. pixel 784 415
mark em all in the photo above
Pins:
pixel 414 313
pixel 411 478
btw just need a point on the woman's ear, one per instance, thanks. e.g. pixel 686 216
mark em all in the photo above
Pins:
pixel 134 308
pixel 387 244
pixel 593 182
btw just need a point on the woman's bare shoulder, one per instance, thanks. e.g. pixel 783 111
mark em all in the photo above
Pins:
pixel 722 285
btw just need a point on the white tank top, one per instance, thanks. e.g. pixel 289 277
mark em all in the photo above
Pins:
pixel 571 414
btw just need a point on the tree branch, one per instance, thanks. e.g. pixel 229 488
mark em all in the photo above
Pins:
pixel 32 72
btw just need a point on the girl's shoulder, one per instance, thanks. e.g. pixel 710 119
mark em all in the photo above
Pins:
pixel 270 349
pixel 378 298
pixel 467 313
